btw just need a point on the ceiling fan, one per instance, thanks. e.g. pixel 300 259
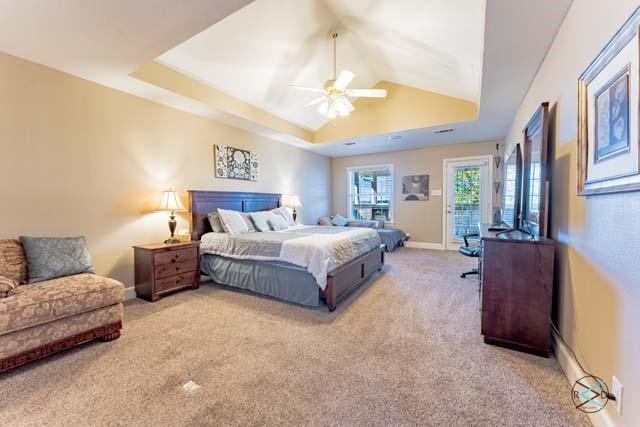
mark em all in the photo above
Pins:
pixel 335 101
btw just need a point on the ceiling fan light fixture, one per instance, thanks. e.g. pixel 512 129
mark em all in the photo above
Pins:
pixel 335 93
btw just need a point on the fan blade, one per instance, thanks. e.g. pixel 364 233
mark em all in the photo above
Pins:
pixel 349 106
pixel 344 79
pixel 367 93
pixel 324 108
pixel 315 101
pixel 343 107
pixel 308 89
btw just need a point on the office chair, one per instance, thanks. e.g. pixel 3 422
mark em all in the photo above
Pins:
pixel 472 251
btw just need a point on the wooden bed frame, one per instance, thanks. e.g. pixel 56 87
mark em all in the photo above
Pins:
pixel 340 282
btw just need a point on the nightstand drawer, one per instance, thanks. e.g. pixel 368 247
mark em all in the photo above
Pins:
pixel 173 282
pixel 166 270
pixel 176 256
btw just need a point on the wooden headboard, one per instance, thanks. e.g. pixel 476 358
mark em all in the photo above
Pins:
pixel 201 203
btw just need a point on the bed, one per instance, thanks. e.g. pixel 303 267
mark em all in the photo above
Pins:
pixel 275 276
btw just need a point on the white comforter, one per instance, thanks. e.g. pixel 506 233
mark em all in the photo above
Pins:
pixel 318 249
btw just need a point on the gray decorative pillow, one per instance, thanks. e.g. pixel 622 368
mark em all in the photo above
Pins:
pixel 260 220
pixel 52 257
pixel 277 222
pixel 214 220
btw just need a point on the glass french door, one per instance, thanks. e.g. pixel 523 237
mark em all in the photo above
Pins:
pixel 468 198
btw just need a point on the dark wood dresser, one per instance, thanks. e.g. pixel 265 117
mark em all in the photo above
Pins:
pixel 162 268
pixel 516 290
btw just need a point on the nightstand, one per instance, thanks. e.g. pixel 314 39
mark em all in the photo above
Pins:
pixel 162 268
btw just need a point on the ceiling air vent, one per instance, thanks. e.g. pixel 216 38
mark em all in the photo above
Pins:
pixel 349 143
pixel 444 131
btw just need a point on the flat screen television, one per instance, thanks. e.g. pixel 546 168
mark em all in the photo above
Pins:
pixel 512 188
pixel 535 180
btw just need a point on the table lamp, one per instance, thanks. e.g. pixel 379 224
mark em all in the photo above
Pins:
pixel 293 202
pixel 171 203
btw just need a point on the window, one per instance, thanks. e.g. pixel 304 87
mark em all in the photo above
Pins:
pixel 371 192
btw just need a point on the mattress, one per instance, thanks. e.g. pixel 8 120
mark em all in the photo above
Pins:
pixel 317 249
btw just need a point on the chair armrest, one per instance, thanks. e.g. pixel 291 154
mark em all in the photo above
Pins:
pixel 466 236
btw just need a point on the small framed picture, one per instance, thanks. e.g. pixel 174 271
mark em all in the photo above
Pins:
pixel 415 188
pixel 608 99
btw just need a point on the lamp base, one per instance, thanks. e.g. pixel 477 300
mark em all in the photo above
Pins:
pixel 172 240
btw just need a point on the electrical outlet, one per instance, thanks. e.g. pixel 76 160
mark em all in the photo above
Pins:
pixel 616 390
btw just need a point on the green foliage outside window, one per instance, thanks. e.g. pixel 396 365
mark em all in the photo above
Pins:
pixel 467 184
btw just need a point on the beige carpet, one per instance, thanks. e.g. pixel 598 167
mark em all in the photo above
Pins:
pixel 404 350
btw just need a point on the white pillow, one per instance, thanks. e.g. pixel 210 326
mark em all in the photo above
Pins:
pixel 286 214
pixel 232 222
pixel 276 221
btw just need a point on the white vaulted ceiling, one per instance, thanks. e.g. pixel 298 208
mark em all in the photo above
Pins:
pixel 434 45
pixel 259 51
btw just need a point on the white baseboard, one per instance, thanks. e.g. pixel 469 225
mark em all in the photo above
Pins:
pixel 574 373
pixel 425 245
pixel 129 293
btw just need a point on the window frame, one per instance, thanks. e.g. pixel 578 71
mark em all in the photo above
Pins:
pixel 389 166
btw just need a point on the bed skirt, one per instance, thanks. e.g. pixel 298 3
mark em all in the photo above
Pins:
pixel 273 278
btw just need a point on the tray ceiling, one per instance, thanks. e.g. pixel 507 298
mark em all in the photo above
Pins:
pixel 256 53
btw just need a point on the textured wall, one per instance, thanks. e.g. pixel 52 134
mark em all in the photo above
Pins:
pixel 82 159
pixel 597 268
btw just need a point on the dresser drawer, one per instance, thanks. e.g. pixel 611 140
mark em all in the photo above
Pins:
pixel 176 256
pixel 173 282
pixel 173 268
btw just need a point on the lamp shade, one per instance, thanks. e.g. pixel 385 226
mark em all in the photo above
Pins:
pixel 171 202
pixel 292 202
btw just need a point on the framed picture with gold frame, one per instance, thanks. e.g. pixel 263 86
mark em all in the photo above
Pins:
pixel 608 116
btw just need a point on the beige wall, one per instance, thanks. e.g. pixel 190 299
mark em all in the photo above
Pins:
pixel 162 76
pixel 423 220
pixel 82 159
pixel 597 268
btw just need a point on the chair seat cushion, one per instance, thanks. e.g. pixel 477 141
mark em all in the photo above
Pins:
pixel 472 251
pixel 55 299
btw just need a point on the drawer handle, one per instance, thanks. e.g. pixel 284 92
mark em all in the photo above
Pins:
pixel 178 268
